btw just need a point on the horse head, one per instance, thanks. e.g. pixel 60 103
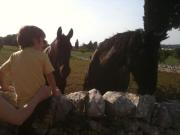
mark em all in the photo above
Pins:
pixel 59 54
pixel 63 52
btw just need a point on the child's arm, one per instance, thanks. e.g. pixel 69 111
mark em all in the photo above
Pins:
pixel 52 84
pixel 3 85
pixel 48 71
pixel 17 116
pixel 5 68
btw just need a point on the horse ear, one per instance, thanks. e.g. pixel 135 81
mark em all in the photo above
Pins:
pixel 70 34
pixel 59 32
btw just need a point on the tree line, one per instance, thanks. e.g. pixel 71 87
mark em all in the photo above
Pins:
pixel 91 46
pixel 9 40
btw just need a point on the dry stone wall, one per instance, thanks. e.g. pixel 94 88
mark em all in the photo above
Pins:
pixel 169 68
pixel 114 113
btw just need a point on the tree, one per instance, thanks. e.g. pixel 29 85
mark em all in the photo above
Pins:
pixel 1 43
pixel 77 44
pixel 177 53
pixel 10 40
pixel 89 47
pixel 159 17
pixel 92 46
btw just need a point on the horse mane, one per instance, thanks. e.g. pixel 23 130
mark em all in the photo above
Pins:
pixel 118 39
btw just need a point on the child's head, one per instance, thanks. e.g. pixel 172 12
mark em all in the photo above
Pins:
pixel 28 34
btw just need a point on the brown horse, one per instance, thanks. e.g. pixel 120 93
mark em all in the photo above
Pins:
pixel 59 53
pixel 117 57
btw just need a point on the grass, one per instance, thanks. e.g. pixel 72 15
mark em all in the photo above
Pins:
pixel 76 77
pixel 168 84
pixel 172 61
pixel 81 54
pixel 5 52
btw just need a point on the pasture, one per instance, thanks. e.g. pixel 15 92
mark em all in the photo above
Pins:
pixel 168 85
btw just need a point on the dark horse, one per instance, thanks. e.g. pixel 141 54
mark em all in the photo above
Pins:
pixel 117 57
pixel 59 53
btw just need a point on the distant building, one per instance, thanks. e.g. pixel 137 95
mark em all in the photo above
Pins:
pixel 170 47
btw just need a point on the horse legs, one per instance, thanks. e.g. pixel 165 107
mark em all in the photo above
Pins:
pixel 124 78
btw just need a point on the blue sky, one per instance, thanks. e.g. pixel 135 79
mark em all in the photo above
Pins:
pixel 91 19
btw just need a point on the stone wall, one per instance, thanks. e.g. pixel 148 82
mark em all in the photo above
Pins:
pixel 169 68
pixel 114 113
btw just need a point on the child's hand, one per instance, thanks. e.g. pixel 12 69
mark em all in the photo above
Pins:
pixel 43 93
pixel 57 92
pixel 5 88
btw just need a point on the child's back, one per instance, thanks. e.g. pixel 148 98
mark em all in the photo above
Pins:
pixel 28 67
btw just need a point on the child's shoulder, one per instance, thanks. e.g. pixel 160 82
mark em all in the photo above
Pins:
pixel 17 52
pixel 42 55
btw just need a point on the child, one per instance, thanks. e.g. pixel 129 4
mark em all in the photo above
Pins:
pixel 28 66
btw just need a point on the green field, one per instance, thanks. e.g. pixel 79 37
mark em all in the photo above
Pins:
pixel 81 54
pixel 172 61
pixel 5 52
pixel 168 83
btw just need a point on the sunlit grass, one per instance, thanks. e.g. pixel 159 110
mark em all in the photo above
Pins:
pixel 76 78
pixel 172 61
pixel 169 85
pixel 81 54
pixel 5 52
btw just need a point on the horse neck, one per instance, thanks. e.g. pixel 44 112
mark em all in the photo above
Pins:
pixel 53 54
